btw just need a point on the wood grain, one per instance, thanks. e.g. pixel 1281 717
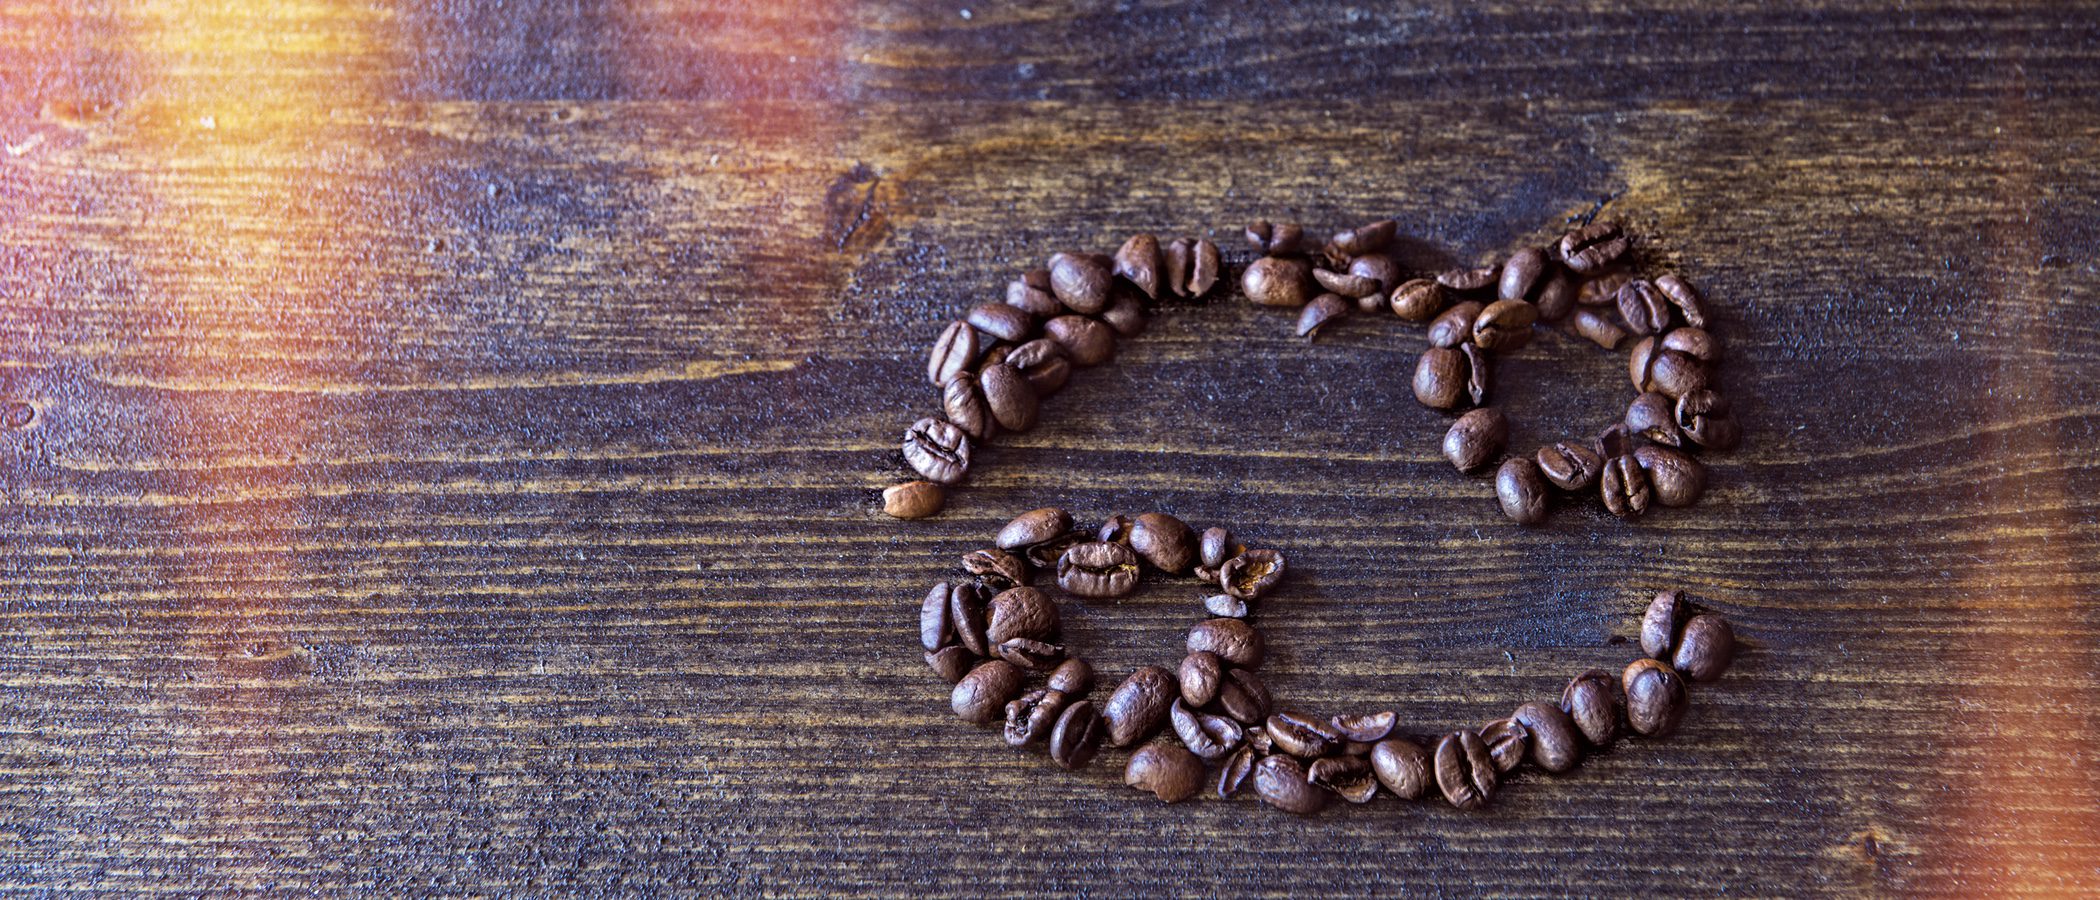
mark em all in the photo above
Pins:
pixel 457 431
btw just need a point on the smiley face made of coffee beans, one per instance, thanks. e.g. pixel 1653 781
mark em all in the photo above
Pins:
pixel 987 632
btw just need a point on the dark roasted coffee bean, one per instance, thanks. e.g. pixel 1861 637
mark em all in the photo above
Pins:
pixel 963 403
pixel 1278 281
pixel 1137 262
pixel 1504 325
pixel 1521 491
pixel 1251 574
pixel 1125 315
pixel 1233 640
pixel 1080 282
pixel 1322 310
pixel 1204 267
pixel 966 614
pixel 1369 238
pixel 1643 307
pixel 1555 298
pixel 1116 529
pixel 1602 288
pixel 1705 648
pixel 1078 735
pixel 1475 438
pixel 913 499
pixel 1226 606
pixel 1165 771
pixel 1598 328
pixel 1555 744
pixel 1175 259
pixel 1342 284
pixel 1693 342
pixel 1524 273
pixel 1403 766
pixel 1086 342
pixel 1041 361
pixel 1656 698
pixel 982 694
pixel 1073 676
pixel 1349 777
pixel 1478 282
pixel 997 568
pixel 1275 240
pixel 1665 616
pixel 1031 294
pixel 1009 397
pixel 1592 247
pixel 1464 771
pixel 1624 487
pixel 1217 546
pixel 1164 541
pixel 1570 466
pixel 1030 655
pixel 936 627
pixel 1046 554
pixel 1206 735
pixel 1281 782
pixel 1674 478
pixel 1383 273
pixel 1031 716
pixel 1704 418
pixel 1201 673
pixel 1652 368
pixel 1506 742
pixel 1440 378
pixel 1419 300
pixel 1302 735
pixel 1245 698
pixel 1098 570
pixel 938 450
pixel 1234 772
pixel 1007 323
pixel 954 351
pixel 1033 527
pixel 1681 295
pixel 1139 705
pixel 1454 326
pixel 951 662
pixel 1478 362
pixel 1592 702
pixel 1021 612
pixel 1614 440
pixel 1366 728
pixel 1651 416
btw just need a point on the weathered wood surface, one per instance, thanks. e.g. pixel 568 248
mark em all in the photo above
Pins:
pixel 457 429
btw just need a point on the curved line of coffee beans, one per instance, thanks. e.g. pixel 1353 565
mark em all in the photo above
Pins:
pixel 995 364
pixel 992 632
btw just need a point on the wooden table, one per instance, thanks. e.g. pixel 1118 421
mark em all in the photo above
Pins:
pixel 454 431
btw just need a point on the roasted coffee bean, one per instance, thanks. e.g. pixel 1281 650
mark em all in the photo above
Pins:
pixel 963 403
pixel 1009 397
pixel 1345 285
pixel 1365 728
pixel 1524 273
pixel 1402 766
pixel 1478 282
pixel 1233 640
pixel 1098 570
pixel 1086 342
pixel 1139 705
pixel 1555 744
pixel 954 351
pixel 1206 735
pixel 1369 238
pixel 1234 772
pixel 1644 308
pixel 1419 300
pixel 1078 735
pixel 1684 298
pixel 1703 416
pixel 1192 267
pixel 1007 323
pixel 1475 438
pixel 1302 735
pixel 1454 326
pixel 1030 655
pixel 1251 574
pixel 1464 770
pixel 1651 416
pixel 1281 782
pixel 981 695
pixel 1275 240
pixel 1046 554
pixel 1031 294
pixel 1660 624
pixel 1125 315
pixel 1041 361
pixel 1478 362
pixel 1137 262
pixel 1258 738
pixel 1383 273
pixel 1693 342
pixel 1614 440
pixel 1570 466
pixel 1593 247
pixel 1245 698
pixel 1592 702
pixel 1349 777
pixel 1164 541
pixel 1116 529
pixel 1217 546
pixel 1074 677
pixel 1440 378
pixel 1624 487
pixel 1165 771
pixel 1705 648
pixel 1080 282
pixel 1201 673
pixel 1602 288
pixel 1656 698
pixel 1521 491
pixel 1033 527
pixel 1674 478
pixel 1225 605
pixel 997 568
pixel 936 627
pixel 1322 310
pixel 1669 372
pixel 1031 716
pixel 1504 325
pixel 1506 742
pixel 938 450
pixel 1598 328
pixel 966 615
pixel 1278 281
pixel 913 500
pixel 1021 612
pixel 951 662
pixel 1556 297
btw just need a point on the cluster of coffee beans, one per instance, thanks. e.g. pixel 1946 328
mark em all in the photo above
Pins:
pixel 1587 282
pixel 991 632
pixel 995 365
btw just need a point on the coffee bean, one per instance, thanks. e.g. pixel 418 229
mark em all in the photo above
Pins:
pixel 1201 673
pixel 935 625
pixel 1235 771
pixel 997 568
pixel 1674 478
pixel 966 615
pixel 1402 766
pixel 1302 735
pixel 1652 416
pixel 1139 705
pixel 1614 440
pixel 1524 273
pixel 1205 574
pixel 1666 614
pixel 1322 310
pixel 1080 282
pixel 1074 676
pixel 1041 361
pixel 913 500
pixel 1098 570
pixel 1454 326
pixel 1598 328
pixel 1086 342
pixel 1365 728
pixel 1009 397
pixel 1478 282
pixel 1275 240
pixel 954 351
pixel 981 695
pixel 1693 342
pixel 1217 546
pixel 1705 649
pixel 1477 364
pixel 1653 368
pixel 1464 770
pixel 1281 782
pixel 1233 640
pixel 1440 378
pixel 1366 239
pixel 1555 744
pixel 1168 772
pixel 1021 612
pixel 1244 697
pixel 1704 417
pixel 1251 574
pixel 1644 308
pixel 1033 527
pixel 1570 466
pixel 1419 300
pixel 1031 294
pixel 1506 742
pixel 1125 315
pixel 1258 738
pixel 1381 270
pixel 1624 486
pixel 1475 438
pixel 1007 323
pixel 964 405
pixel 1046 554
pixel 1349 777
pixel 1277 281
pixel 1226 606
pixel 1521 490
pixel 1206 735
pixel 1078 735
pixel 1504 325
pixel 1592 702
pixel 1203 268
pixel 1681 295
pixel 1555 298
pixel 1030 655
pixel 1346 285
pixel 1032 716
pixel 938 450
pixel 1602 288
pixel 1656 698
pixel 1164 541
pixel 951 662
pixel 1138 261
pixel 1116 529
pixel 1593 247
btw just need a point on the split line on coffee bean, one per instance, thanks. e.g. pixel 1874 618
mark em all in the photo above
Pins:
pixel 992 632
